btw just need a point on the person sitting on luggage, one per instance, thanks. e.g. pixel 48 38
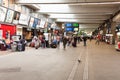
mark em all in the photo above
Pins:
pixel 54 41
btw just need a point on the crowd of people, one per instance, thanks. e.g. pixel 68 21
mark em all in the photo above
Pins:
pixel 54 42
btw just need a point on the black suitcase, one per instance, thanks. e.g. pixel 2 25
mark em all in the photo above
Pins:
pixel 53 46
pixel 23 47
pixel 19 47
pixel 74 45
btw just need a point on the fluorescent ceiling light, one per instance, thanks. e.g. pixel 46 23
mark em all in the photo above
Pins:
pixel 54 8
pixel 67 20
pixel 61 15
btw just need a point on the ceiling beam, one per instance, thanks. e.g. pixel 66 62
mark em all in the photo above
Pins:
pixel 78 2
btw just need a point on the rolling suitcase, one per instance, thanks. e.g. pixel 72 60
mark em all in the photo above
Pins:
pixel 74 45
pixel 3 47
pixel 53 46
pixel 19 47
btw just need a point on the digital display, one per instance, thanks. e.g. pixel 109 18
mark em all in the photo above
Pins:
pixel 2 13
pixel 68 25
pixel 75 25
pixel 76 29
pixel 9 17
pixel 69 29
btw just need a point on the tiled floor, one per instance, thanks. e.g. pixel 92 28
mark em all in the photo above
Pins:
pixel 98 62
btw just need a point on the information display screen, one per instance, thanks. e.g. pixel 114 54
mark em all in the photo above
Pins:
pixel 69 29
pixel 68 24
pixel 75 25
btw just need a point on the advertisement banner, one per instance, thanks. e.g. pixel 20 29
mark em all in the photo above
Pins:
pixel 9 17
pixel 38 25
pixel 0 2
pixel 2 13
pixel 31 22
pixel 24 19
pixel 16 17
pixel 35 23
pixel 42 24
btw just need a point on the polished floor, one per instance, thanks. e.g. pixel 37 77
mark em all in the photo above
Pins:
pixel 93 62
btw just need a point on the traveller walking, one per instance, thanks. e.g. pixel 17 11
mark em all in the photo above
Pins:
pixel 64 42
pixel 58 40
pixel 84 40
pixel 75 41
pixel 23 42
pixel 98 39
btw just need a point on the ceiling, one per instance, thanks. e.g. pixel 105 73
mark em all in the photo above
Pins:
pixel 81 11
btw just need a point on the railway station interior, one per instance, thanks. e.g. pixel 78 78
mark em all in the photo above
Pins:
pixel 59 39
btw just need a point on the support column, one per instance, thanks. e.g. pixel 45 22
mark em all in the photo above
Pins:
pixel 113 27
pixel 104 30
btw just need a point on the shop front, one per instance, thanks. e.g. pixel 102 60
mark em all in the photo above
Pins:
pixel 117 40
pixel 6 31
pixel 109 38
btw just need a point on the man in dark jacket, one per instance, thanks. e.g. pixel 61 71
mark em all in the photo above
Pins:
pixel 64 42
pixel 84 40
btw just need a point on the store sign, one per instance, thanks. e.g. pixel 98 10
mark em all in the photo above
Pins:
pixel 2 13
pixel 109 34
pixel 9 17
pixel 24 19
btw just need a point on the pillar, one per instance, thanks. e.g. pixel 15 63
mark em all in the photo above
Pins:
pixel 113 27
